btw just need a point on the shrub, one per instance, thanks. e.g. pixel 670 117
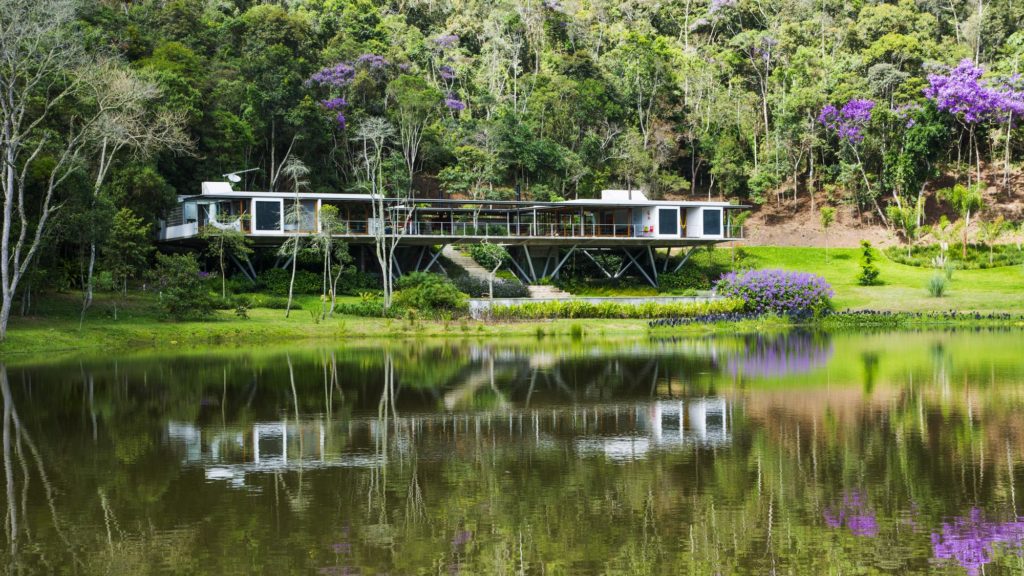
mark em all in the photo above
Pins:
pixel 276 280
pixel 687 278
pixel 486 254
pixel 868 271
pixel 182 292
pixel 795 294
pixel 429 292
pixel 477 288
pixel 553 309
pixel 937 285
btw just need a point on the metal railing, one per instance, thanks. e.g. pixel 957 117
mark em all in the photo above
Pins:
pixel 521 230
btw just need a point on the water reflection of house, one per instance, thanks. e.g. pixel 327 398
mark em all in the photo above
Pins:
pixel 231 453
pixel 697 422
pixel 617 431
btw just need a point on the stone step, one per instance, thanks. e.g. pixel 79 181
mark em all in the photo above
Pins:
pixel 538 291
pixel 465 262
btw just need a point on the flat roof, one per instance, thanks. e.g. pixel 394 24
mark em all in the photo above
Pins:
pixel 522 205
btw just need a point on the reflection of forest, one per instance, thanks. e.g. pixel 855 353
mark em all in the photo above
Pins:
pixel 488 458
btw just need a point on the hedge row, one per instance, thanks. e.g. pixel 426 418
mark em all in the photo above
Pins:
pixel 583 309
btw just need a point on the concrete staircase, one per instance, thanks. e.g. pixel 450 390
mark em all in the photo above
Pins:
pixel 465 262
pixel 547 292
pixel 462 260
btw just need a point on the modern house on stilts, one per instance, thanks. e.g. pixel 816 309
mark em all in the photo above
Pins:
pixel 540 236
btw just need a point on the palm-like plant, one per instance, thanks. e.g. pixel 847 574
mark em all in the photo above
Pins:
pixel 966 200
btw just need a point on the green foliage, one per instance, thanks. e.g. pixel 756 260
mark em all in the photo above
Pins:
pixel 275 281
pixel 978 257
pixel 128 247
pixel 429 293
pixel 487 254
pixel 868 269
pixel 477 288
pixel 937 285
pixel 182 292
pixel 553 309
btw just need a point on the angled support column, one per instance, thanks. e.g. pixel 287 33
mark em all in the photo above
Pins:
pixel 562 262
pixel 433 260
pixel 685 258
pixel 522 273
pixel 246 271
pixel 654 265
pixel 596 263
pixel 635 261
pixel 529 264
pixel 423 252
pixel 668 256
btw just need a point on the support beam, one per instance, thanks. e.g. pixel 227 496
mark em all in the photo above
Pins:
pixel 596 263
pixel 434 259
pixel 245 271
pixel 522 273
pixel 685 258
pixel 394 262
pixel 636 262
pixel 668 256
pixel 423 252
pixel 654 265
pixel 562 263
pixel 529 262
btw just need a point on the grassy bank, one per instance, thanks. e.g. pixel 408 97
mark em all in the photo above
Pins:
pixel 904 287
pixel 55 326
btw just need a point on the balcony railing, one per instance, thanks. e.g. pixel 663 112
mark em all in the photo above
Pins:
pixel 509 230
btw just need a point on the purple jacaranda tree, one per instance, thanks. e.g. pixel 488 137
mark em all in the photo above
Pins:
pixel 849 123
pixel 974 101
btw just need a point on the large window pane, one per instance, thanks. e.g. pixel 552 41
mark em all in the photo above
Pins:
pixel 668 221
pixel 712 222
pixel 268 216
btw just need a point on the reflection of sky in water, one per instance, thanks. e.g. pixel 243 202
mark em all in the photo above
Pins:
pixel 972 541
pixel 779 355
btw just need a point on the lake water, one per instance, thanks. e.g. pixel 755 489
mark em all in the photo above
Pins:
pixel 802 453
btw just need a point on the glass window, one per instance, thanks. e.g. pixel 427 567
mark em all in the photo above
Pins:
pixel 668 221
pixel 712 222
pixel 268 215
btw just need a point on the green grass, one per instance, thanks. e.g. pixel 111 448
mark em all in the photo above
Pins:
pixel 904 287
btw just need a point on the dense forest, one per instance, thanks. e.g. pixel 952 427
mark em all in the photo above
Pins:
pixel 111 108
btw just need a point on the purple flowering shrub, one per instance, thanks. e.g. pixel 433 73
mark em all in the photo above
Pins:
pixel 793 294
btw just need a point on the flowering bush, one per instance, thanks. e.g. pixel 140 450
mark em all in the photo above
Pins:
pixel 794 294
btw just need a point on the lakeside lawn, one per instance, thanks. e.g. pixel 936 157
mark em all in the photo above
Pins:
pixel 55 328
pixel 904 287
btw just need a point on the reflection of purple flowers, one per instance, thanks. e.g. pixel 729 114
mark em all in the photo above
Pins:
pixel 973 540
pixel 461 538
pixel 339 75
pixel 797 294
pixel 963 92
pixel 769 356
pixel 849 121
pixel 854 513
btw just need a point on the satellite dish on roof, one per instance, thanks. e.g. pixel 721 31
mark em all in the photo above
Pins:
pixel 234 177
